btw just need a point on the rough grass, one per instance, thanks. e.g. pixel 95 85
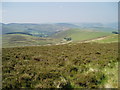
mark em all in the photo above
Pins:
pixel 14 40
pixel 84 65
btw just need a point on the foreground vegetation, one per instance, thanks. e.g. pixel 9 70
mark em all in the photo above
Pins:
pixel 82 65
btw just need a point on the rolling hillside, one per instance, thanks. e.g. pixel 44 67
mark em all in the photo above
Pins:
pixel 26 34
pixel 80 34
pixel 76 35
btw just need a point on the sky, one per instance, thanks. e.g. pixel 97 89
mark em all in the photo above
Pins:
pixel 60 0
pixel 54 12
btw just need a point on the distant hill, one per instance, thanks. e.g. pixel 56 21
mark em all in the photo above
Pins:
pixel 46 30
pixel 107 27
pixel 36 29
pixel 89 25
pixel 67 25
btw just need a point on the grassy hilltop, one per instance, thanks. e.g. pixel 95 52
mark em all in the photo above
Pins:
pixel 81 34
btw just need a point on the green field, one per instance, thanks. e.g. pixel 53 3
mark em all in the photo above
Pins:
pixel 83 65
pixel 109 39
pixel 80 35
